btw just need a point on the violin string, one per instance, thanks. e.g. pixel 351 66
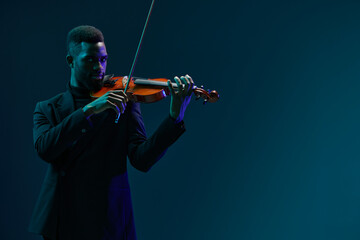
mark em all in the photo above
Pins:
pixel 139 46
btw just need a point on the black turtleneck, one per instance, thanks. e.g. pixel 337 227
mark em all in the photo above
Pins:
pixel 81 96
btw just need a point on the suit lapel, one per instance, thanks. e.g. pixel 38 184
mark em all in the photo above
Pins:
pixel 64 106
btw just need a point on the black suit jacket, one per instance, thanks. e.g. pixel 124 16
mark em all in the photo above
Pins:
pixel 87 166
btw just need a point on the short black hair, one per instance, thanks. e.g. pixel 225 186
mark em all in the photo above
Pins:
pixel 80 34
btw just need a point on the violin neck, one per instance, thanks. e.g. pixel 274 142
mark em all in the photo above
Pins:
pixel 148 82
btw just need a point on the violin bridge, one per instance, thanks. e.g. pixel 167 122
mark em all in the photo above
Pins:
pixel 124 80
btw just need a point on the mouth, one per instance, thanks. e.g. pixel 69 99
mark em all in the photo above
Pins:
pixel 97 76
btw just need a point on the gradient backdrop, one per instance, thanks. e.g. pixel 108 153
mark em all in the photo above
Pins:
pixel 277 157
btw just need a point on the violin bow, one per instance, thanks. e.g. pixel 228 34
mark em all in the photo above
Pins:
pixel 137 52
pixel 139 46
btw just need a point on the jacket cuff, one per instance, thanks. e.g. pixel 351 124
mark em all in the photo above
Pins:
pixel 174 129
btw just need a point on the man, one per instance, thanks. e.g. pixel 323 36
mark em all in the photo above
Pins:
pixel 85 194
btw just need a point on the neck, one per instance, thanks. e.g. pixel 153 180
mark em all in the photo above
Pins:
pixel 74 82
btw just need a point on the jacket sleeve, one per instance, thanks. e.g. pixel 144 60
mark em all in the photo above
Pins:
pixel 144 152
pixel 51 141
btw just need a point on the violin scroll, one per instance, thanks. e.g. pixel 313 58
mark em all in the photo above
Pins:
pixel 208 96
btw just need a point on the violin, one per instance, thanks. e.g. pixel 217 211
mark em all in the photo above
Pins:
pixel 147 90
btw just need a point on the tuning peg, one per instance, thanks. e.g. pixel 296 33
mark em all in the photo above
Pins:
pixel 205 101
pixel 197 97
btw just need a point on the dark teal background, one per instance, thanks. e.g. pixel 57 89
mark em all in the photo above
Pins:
pixel 276 158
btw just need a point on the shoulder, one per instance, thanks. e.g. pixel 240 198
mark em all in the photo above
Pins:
pixel 51 101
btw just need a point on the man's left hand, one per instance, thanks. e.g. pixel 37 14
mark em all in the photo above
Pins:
pixel 180 97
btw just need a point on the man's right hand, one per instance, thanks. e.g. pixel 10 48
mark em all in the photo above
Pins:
pixel 115 100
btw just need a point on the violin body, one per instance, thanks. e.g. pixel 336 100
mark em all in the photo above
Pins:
pixel 137 92
pixel 146 90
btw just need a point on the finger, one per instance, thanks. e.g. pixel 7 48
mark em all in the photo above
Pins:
pixel 179 85
pixel 118 101
pixel 121 93
pixel 191 87
pixel 120 97
pixel 190 80
pixel 186 82
pixel 114 107
pixel 171 88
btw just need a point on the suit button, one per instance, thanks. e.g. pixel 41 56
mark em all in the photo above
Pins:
pixel 62 173
pixel 83 130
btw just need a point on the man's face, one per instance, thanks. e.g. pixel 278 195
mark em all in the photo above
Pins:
pixel 90 65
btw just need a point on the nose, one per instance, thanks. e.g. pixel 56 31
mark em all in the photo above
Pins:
pixel 98 67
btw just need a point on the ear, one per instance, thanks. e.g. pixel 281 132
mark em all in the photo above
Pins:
pixel 70 61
